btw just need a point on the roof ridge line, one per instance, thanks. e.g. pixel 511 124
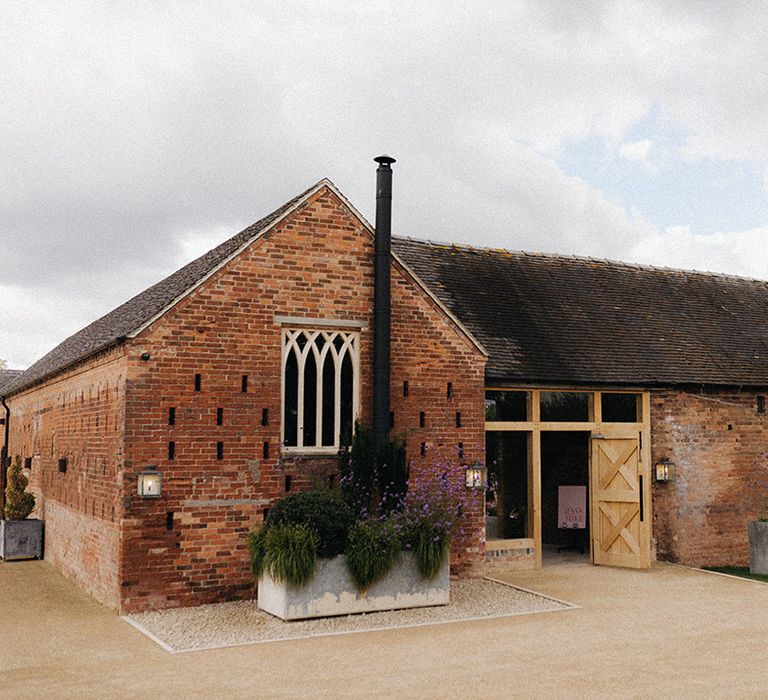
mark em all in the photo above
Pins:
pixel 582 258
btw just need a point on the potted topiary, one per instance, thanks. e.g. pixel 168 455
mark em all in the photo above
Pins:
pixel 21 537
pixel 758 546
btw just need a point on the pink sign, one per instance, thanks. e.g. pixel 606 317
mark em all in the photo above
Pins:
pixel 572 507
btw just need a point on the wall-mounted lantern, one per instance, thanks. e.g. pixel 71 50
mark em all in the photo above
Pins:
pixel 150 482
pixel 474 476
pixel 665 470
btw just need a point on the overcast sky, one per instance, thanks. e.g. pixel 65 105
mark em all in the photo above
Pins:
pixel 135 136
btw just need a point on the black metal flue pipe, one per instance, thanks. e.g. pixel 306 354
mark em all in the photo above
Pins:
pixel 4 456
pixel 382 308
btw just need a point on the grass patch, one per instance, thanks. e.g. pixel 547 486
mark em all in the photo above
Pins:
pixel 742 571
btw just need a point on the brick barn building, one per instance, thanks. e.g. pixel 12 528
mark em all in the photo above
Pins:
pixel 237 375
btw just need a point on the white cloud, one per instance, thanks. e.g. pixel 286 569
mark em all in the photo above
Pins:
pixel 513 197
pixel 736 252
pixel 193 244
pixel 28 328
pixel 638 151
pixel 136 135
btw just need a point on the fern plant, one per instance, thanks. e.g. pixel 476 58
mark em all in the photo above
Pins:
pixel 18 503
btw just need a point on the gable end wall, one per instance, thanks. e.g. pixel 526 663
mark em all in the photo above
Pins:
pixel 190 546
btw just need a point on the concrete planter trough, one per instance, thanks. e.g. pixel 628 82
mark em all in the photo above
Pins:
pixel 332 591
pixel 21 539
pixel 758 547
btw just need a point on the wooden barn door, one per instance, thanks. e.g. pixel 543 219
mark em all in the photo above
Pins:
pixel 620 493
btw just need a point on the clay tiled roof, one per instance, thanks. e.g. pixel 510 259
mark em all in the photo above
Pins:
pixel 547 319
pixel 7 376
pixel 135 313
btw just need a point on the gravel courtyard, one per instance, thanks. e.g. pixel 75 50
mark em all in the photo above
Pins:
pixel 667 632
pixel 230 624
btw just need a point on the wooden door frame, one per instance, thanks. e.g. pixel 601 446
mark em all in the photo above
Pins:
pixel 535 426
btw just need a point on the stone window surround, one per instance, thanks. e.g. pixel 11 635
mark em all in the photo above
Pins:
pixel 328 329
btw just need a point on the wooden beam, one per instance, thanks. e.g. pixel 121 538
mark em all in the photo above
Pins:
pixel 535 440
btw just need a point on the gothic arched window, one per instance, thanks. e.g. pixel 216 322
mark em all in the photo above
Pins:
pixel 320 388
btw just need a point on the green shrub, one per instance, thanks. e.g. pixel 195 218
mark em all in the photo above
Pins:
pixel 256 543
pixel 393 474
pixel 18 503
pixel 431 548
pixel 323 512
pixel 290 554
pixel 374 476
pixel 357 465
pixel 372 550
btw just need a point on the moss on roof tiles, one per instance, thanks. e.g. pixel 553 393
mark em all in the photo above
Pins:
pixel 564 319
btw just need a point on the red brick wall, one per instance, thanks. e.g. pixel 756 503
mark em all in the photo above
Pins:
pixel 316 264
pixel 717 441
pixel 77 416
pixel 428 353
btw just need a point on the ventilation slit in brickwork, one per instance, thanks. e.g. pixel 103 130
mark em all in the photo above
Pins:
pixel 219 450
pixel 422 419
pixel 265 450
pixel 171 450
pixel 171 416
pixel 391 419
pixel 244 384
pixel 331 481
pixel 28 463
pixel 198 382
pixel 265 416
pixel 405 389
pixel 288 482
pixel 449 391
pixel 219 416
pixel 169 520
pixel 458 419
pixel 761 404
pixel 461 450
pixel 423 449
pixel 63 464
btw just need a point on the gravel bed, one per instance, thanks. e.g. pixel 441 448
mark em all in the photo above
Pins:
pixel 231 624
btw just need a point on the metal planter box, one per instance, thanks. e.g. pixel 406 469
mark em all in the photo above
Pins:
pixel 758 547
pixel 21 539
pixel 332 591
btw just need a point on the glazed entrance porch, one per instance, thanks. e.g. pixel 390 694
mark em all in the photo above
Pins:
pixel 596 445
